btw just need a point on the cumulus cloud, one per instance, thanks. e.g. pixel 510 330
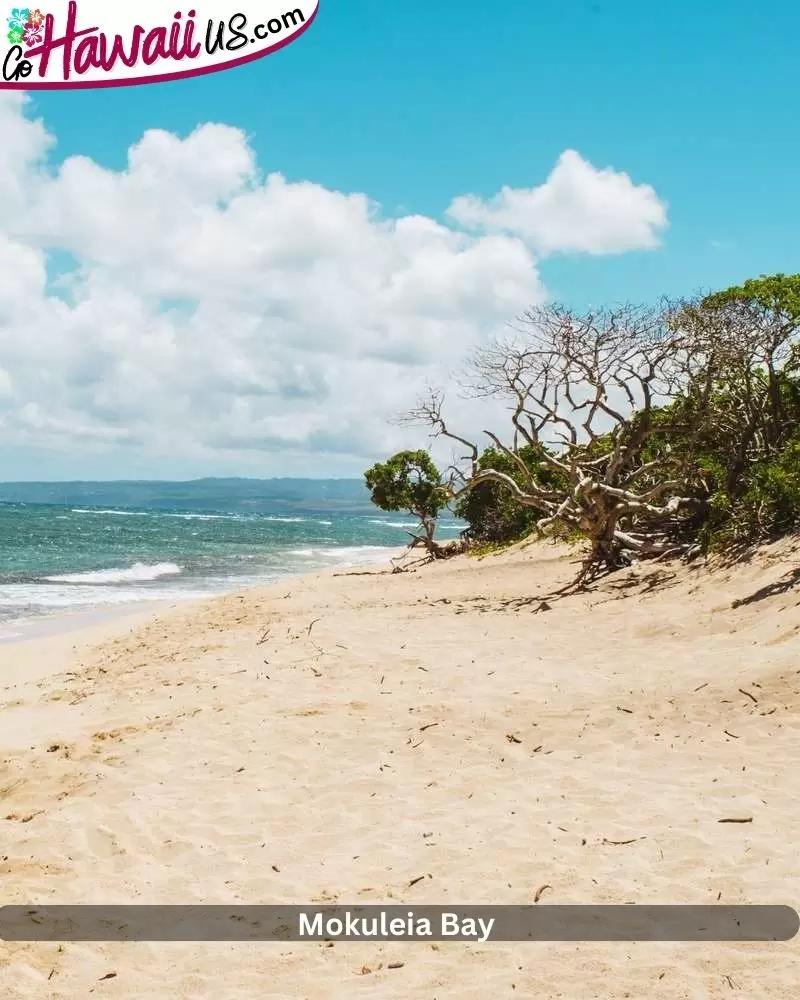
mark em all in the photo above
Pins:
pixel 24 142
pixel 578 209
pixel 191 309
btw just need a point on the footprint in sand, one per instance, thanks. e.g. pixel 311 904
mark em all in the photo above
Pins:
pixel 102 842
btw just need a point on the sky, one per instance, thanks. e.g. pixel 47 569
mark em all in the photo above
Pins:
pixel 249 273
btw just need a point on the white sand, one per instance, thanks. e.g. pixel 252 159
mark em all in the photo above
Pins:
pixel 175 760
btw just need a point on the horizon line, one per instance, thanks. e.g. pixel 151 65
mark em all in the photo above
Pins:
pixel 197 479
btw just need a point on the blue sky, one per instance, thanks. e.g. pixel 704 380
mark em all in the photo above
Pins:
pixel 414 104
pixel 413 101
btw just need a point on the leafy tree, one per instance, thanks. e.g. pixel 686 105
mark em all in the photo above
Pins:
pixel 409 481
pixel 744 407
pixel 648 432
pixel 774 299
pixel 491 510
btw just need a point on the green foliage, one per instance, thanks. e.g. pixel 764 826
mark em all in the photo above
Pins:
pixel 777 295
pixel 731 444
pixel 494 516
pixel 746 492
pixel 717 465
pixel 765 505
pixel 408 481
pixel 738 443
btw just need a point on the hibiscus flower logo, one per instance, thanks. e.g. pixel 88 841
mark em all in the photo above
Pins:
pixel 25 26
pixel 19 18
pixel 32 35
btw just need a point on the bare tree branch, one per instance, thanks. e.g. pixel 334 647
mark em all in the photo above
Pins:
pixel 582 392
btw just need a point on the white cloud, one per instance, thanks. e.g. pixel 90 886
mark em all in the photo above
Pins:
pixel 221 319
pixel 23 142
pixel 579 209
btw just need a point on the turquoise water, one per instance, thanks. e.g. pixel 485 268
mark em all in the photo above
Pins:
pixel 72 547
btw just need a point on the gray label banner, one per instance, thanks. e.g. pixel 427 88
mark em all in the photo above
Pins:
pixel 398 923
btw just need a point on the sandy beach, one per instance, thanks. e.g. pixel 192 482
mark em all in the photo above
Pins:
pixel 333 738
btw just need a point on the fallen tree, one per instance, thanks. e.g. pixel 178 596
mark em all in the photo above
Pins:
pixel 588 393
pixel 647 432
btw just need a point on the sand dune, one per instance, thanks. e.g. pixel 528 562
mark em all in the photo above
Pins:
pixel 334 738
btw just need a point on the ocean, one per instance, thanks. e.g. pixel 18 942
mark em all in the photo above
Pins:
pixel 68 547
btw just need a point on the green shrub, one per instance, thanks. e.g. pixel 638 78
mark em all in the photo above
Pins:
pixel 409 481
pixel 494 516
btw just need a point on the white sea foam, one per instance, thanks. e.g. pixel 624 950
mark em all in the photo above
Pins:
pixel 345 553
pixel 138 573
pixel 201 517
pixel 395 524
pixel 116 513
pixel 167 581
pixel 415 524
pixel 44 598
pixel 187 516
pixel 159 513
pixel 230 517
